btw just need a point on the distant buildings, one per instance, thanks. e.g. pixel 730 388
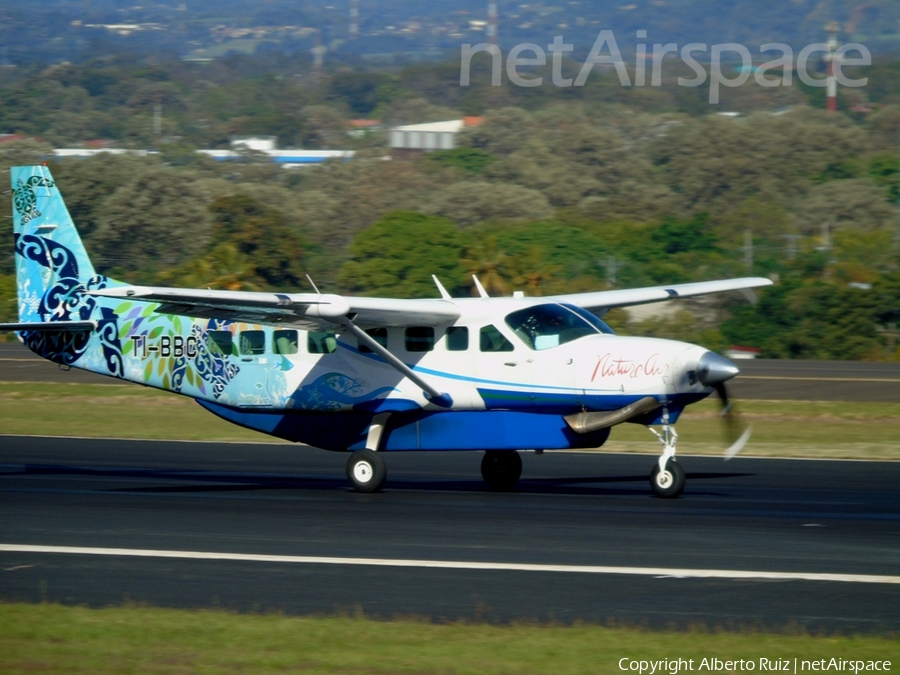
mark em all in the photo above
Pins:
pixel 241 146
pixel 429 137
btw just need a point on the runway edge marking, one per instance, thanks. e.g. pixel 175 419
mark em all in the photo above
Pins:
pixel 457 565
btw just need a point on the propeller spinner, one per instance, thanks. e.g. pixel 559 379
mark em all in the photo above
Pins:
pixel 714 371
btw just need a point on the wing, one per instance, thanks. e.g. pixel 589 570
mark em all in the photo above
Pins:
pixel 313 310
pixel 601 301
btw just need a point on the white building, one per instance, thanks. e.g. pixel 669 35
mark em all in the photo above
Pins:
pixel 430 136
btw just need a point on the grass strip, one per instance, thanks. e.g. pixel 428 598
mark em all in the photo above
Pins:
pixel 815 429
pixel 54 638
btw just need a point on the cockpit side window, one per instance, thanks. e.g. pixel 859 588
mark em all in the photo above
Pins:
pixel 492 340
pixel 547 326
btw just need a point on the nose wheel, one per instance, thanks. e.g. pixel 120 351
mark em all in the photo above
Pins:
pixel 667 476
pixel 669 482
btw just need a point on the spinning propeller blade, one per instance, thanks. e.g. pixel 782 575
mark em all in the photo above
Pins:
pixel 737 434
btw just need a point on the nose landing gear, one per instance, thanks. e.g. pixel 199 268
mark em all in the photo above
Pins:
pixel 667 476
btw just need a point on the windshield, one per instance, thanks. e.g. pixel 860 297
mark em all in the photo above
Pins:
pixel 592 319
pixel 547 326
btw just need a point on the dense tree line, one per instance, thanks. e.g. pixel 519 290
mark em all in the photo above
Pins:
pixel 576 192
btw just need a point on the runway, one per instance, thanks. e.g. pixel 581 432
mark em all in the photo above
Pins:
pixel 759 378
pixel 752 542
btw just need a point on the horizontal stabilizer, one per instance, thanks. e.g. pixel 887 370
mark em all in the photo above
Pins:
pixel 73 326
pixel 586 422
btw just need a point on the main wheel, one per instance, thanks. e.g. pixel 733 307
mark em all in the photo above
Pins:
pixel 501 469
pixel 669 483
pixel 366 470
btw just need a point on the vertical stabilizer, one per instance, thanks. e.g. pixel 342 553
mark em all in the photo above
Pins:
pixel 53 273
pixel 50 254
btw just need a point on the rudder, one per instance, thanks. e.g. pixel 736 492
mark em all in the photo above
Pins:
pixel 53 273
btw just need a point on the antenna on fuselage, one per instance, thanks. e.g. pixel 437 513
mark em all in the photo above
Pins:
pixel 313 284
pixel 443 291
pixel 481 292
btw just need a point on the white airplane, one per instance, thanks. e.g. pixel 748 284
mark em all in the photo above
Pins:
pixel 367 376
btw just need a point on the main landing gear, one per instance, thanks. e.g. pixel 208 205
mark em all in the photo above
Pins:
pixel 667 476
pixel 366 470
pixel 501 469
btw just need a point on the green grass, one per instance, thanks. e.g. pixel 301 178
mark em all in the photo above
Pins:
pixel 113 410
pixel 54 639
pixel 783 428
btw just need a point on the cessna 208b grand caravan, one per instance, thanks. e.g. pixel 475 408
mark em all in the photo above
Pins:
pixel 367 376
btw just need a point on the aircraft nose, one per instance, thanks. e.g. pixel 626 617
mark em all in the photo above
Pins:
pixel 713 369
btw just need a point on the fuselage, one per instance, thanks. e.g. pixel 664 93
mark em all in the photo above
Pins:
pixel 522 360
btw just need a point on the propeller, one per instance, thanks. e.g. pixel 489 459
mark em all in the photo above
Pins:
pixel 737 434
pixel 714 371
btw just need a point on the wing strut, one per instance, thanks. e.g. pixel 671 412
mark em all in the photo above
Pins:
pixel 433 395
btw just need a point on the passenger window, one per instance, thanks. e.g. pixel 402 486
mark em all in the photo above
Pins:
pixel 457 339
pixel 377 334
pixel 321 343
pixel 253 342
pixel 492 340
pixel 219 342
pixel 285 342
pixel 419 339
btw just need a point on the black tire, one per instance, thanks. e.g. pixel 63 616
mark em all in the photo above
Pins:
pixel 501 469
pixel 670 483
pixel 366 470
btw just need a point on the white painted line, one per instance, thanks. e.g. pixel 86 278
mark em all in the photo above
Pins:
pixel 456 564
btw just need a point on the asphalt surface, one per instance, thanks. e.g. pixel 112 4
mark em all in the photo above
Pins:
pixel 778 516
pixel 759 379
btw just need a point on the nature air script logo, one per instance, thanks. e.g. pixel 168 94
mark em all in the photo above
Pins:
pixel 24 198
pixel 607 366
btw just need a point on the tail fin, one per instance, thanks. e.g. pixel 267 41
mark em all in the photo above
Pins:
pixel 51 261
pixel 53 271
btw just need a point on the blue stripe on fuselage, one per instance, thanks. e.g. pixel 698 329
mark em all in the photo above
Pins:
pixel 491 429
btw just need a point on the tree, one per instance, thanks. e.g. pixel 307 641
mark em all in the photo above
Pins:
pixel 484 259
pixel 472 202
pixel 271 244
pixel 86 183
pixel 223 267
pixel 470 160
pixel 361 92
pixel 857 204
pixel 396 257
pixel 324 127
pixel 503 132
pixel 712 163
pixel 156 220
